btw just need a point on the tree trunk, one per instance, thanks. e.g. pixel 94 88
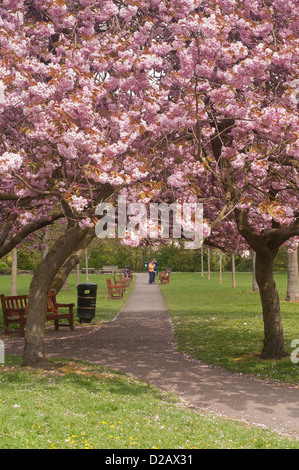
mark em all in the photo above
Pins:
pixel 38 295
pixel 209 265
pixel 255 287
pixel 45 243
pixel 293 278
pixel 34 337
pixel 273 333
pixel 233 271
pixel 42 281
pixel 72 261
pixel 14 272
pixel 220 267
pixel 66 284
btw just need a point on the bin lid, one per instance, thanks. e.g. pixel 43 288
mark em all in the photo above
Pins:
pixel 87 284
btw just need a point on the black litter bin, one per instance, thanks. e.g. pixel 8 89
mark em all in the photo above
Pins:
pixel 86 306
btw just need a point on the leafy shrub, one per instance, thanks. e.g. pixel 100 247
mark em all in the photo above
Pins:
pixel 4 268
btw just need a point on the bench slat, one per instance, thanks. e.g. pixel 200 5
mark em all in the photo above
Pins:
pixel 164 277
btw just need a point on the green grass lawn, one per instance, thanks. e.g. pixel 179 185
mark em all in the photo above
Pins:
pixel 223 326
pixel 77 405
pixel 83 406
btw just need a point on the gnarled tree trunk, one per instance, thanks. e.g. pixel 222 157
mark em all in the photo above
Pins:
pixel 44 276
pixel 40 286
pixel 266 246
pixel 273 332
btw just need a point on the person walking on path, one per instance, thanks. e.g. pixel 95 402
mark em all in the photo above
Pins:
pixel 151 270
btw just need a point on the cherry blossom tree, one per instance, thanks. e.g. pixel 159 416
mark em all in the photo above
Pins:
pixel 220 101
pixel 64 137
pixel 230 124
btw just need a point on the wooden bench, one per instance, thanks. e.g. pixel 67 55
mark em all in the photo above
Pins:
pixel 108 269
pixel 128 275
pixel 164 277
pixel 114 291
pixel 125 280
pixel 53 312
pixel 15 311
pixel 121 283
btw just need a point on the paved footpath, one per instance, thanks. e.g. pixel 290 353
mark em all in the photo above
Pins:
pixel 139 342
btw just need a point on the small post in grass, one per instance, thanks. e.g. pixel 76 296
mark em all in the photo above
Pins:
pixel 2 353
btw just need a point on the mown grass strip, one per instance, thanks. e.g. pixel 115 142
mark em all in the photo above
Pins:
pixel 223 326
pixel 75 405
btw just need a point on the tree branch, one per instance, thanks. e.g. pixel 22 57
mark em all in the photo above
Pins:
pixel 13 242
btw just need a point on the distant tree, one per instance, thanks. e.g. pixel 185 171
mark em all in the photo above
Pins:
pixel 293 277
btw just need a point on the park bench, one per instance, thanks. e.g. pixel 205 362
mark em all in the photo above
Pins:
pixel 164 277
pixel 53 312
pixel 114 291
pixel 128 275
pixel 125 280
pixel 108 270
pixel 121 283
pixel 15 311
